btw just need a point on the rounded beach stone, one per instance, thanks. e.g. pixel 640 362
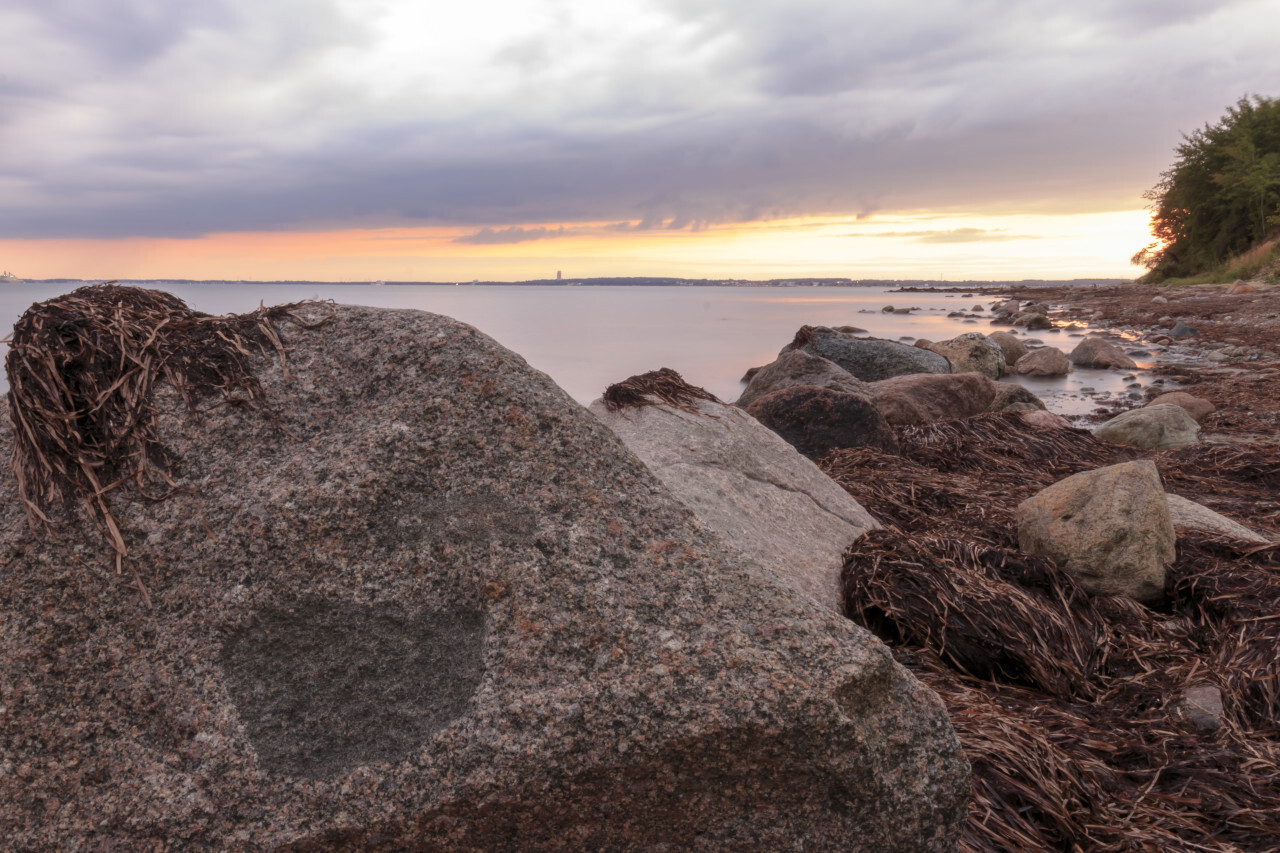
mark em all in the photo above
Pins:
pixel 816 421
pixel 1197 407
pixel 1045 361
pixel 1109 527
pixel 1155 427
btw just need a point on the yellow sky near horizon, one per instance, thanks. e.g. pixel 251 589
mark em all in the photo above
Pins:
pixel 948 246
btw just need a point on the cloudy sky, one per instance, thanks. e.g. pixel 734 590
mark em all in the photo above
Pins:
pixel 398 139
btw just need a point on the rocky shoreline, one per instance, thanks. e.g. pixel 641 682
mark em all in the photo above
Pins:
pixel 370 582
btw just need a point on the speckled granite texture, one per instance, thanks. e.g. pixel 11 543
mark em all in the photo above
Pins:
pixel 747 484
pixel 446 610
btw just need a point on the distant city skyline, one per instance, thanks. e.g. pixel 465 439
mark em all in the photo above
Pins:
pixel 382 139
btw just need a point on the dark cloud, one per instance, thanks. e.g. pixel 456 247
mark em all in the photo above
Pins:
pixel 515 234
pixel 132 118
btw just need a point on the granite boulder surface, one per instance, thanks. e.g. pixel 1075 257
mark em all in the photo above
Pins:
pixel 1109 527
pixel 747 484
pixel 816 421
pixel 868 359
pixel 924 397
pixel 797 367
pixel 431 603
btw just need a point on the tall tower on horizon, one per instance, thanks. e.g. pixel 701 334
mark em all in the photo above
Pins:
pixel 557 275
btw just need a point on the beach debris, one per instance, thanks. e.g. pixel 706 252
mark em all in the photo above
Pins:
pixel 663 385
pixel 83 370
pixel 1113 764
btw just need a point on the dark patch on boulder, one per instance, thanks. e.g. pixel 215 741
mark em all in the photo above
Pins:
pixel 323 686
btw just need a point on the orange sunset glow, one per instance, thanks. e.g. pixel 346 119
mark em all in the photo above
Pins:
pixel 921 246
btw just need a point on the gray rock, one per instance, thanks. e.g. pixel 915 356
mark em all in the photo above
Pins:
pixel 1189 515
pixel 1011 345
pixel 1012 397
pixel 1109 527
pixel 972 352
pixel 1182 330
pixel 1197 407
pixel 925 397
pixel 798 367
pixel 751 487
pixel 435 604
pixel 816 421
pixel 871 359
pixel 1097 353
pixel 1046 361
pixel 1201 706
pixel 1162 427
pixel 1033 320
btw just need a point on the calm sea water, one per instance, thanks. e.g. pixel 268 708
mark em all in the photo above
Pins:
pixel 586 338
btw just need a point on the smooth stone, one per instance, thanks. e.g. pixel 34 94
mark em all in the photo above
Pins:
pixel 816 421
pixel 972 352
pixel 798 367
pixel 1110 528
pixel 1097 353
pixel 751 487
pixel 1197 407
pixel 1045 361
pixel 1153 427
pixel 1189 515
pixel 924 398
pixel 870 359
pixel 1011 345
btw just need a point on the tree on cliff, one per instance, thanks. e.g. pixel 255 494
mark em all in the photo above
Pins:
pixel 1222 195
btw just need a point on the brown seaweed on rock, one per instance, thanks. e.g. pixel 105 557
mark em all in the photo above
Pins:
pixel 1070 707
pixel 663 385
pixel 82 371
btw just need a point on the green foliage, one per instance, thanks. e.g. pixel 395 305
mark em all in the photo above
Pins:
pixel 1222 195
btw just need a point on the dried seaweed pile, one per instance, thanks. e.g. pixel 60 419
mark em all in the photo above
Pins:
pixel 663 385
pixel 1070 707
pixel 948 472
pixel 82 371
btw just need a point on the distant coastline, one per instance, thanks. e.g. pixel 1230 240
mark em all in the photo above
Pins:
pixel 642 281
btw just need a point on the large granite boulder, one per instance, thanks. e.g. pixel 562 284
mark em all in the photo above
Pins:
pixel 1097 353
pixel 1045 361
pixel 1162 427
pixel 797 367
pixel 869 359
pixel 1109 527
pixel 816 421
pixel 1011 345
pixel 972 352
pixel 923 397
pixel 747 484
pixel 433 604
